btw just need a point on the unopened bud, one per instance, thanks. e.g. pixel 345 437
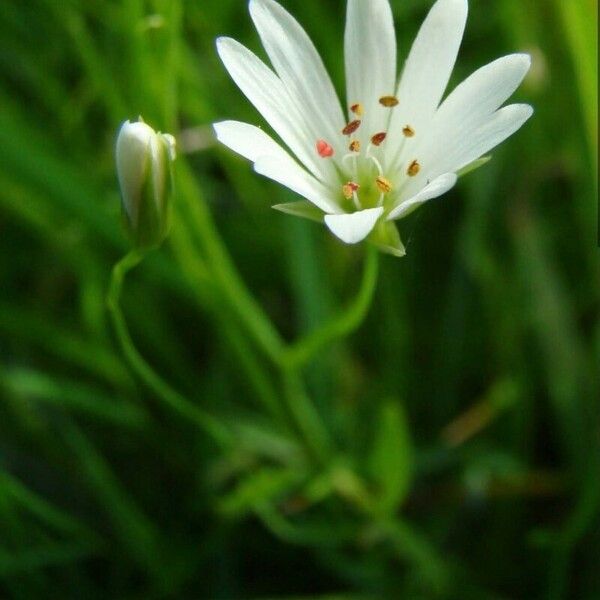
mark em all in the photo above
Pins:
pixel 143 159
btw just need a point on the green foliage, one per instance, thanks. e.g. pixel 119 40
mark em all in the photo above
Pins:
pixel 391 459
pixel 281 423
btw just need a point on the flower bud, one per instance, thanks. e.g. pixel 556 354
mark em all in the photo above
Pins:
pixel 143 159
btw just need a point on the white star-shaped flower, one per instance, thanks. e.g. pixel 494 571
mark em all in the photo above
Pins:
pixel 399 145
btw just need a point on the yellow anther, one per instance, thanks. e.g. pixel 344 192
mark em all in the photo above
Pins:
pixel 384 185
pixel 389 101
pixel 358 109
pixel 349 188
pixel 354 146
pixel 413 168
pixel 351 127
pixel 408 131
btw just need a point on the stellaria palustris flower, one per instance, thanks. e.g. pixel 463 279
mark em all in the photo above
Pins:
pixel 398 145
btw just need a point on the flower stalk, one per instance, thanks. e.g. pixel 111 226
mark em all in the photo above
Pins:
pixel 162 390
pixel 342 324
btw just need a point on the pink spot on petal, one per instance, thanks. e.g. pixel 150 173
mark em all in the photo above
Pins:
pixel 324 149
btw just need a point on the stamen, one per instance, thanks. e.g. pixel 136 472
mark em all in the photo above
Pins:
pixel 351 127
pixel 324 149
pixel 413 168
pixel 408 131
pixel 358 109
pixel 378 138
pixel 351 158
pixel 354 146
pixel 389 101
pixel 384 185
pixel 377 163
pixel 348 189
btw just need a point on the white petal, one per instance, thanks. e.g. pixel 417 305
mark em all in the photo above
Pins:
pixel 436 188
pixel 370 56
pixel 289 173
pixel 478 96
pixel 249 141
pixel 429 66
pixel 502 124
pixel 355 227
pixel 268 94
pixel 467 108
pixel 272 161
pixel 133 156
pixel 301 69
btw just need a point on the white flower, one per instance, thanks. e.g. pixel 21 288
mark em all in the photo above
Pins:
pixel 143 159
pixel 399 145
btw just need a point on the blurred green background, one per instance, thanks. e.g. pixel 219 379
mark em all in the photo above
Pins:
pixel 450 448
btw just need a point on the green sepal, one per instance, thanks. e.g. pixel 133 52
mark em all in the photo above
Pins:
pixel 301 208
pixel 387 239
pixel 153 218
pixel 472 166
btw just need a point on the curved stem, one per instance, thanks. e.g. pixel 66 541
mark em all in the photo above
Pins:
pixel 205 292
pixel 234 291
pixel 142 369
pixel 306 417
pixel 343 324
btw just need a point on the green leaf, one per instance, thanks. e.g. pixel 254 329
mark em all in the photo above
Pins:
pixel 262 487
pixel 301 208
pixel 391 459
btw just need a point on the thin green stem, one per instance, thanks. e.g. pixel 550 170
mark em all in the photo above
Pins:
pixel 232 287
pixel 306 417
pixel 342 324
pixel 287 359
pixel 411 546
pixel 142 369
pixel 203 285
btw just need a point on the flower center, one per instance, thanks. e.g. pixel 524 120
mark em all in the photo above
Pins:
pixel 365 184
